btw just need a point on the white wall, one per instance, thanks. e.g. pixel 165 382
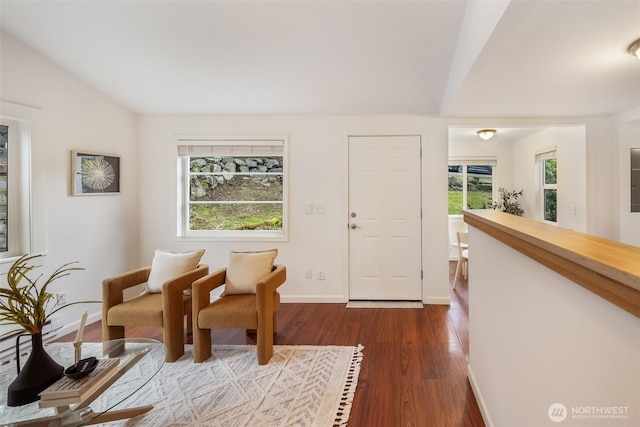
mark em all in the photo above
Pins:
pixel 537 338
pixel 100 232
pixel 318 174
pixel 572 175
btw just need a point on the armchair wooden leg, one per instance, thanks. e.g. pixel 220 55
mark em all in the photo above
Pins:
pixel 189 324
pixel 265 340
pixel 112 333
pixel 264 347
pixel 201 344
pixel 173 337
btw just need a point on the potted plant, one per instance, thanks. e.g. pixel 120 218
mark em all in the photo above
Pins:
pixel 29 308
pixel 509 202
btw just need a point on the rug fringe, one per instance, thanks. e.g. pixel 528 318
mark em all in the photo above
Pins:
pixel 344 407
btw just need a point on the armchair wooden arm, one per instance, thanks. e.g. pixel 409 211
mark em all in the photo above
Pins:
pixel 264 294
pixel 202 288
pixel 175 305
pixel 113 287
pixel 268 302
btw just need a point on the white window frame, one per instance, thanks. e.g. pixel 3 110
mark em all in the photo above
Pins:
pixel 542 156
pixel 19 197
pixel 239 145
pixel 470 161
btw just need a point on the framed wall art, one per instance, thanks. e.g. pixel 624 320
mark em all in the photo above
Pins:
pixel 94 173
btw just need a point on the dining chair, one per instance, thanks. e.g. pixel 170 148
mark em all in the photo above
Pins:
pixel 463 256
pixel 454 227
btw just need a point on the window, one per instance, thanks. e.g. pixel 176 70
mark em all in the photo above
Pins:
pixel 470 184
pixel 4 187
pixel 233 188
pixel 14 195
pixel 548 165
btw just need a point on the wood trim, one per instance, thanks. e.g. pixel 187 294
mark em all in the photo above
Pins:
pixel 607 268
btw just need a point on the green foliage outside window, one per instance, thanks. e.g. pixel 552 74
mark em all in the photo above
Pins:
pixel 235 193
pixel 479 188
pixel 550 191
pixel 550 205
pixel 551 171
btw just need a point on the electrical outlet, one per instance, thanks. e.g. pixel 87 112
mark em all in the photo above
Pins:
pixel 61 298
pixel 320 274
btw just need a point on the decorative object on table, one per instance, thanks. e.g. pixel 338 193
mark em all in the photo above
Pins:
pixel 72 389
pixel 509 202
pixel 39 371
pixel 95 173
pixel 27 307
pixel 81 368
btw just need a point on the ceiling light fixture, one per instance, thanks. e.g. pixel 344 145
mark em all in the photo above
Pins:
pixel 634 48
pixel 486 134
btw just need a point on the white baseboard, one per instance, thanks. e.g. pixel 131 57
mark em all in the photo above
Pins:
pixel 313 298
pixel 342 299
pixel 385 304
pixel 481 403
pixel 437 300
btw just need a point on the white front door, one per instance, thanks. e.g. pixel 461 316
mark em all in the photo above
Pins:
pixel 384 218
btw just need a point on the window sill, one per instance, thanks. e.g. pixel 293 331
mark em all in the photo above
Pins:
pixel 230 239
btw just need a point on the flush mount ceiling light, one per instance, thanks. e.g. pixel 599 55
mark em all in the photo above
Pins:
pixel 486 134
pixel 634 48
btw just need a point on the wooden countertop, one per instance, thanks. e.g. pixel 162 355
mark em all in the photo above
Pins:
pixel 608 268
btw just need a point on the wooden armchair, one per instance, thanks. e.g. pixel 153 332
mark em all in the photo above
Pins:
pixel 249 311
pixel 166 309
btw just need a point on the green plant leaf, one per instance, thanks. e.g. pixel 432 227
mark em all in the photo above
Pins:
pixel 25 305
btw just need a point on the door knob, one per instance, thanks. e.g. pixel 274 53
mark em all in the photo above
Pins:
pixel 354 226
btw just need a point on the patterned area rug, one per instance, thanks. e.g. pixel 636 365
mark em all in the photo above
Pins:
pixel 300 386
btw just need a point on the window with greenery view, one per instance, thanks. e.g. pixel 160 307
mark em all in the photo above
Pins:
pixel 550 189
pixel 15 205
pixel 234 190
pixel 4 187
pixel 470 187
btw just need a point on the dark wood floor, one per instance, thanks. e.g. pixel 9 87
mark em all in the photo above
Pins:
pixel 415 360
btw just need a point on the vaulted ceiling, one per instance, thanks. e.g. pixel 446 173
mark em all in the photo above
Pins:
pixel 453 58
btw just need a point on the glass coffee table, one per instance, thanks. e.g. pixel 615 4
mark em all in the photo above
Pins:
pixel 140 361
